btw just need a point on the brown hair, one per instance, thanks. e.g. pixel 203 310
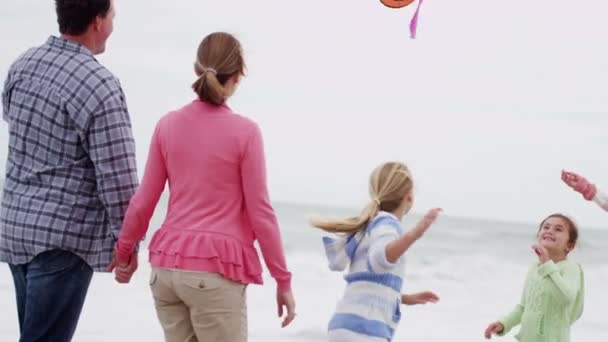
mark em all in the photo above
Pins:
pixel 75 16
pixel 219 57
pixel 572 227
pixel 388 185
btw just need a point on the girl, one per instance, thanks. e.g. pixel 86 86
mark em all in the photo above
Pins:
pixel 554 291
pixel 203 255
pixel 372 247
pixel 588 190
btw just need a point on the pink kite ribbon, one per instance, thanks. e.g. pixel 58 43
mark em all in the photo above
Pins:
pixel 414 21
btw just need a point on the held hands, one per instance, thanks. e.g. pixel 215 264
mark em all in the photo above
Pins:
pixel 419 298
pixel 579 184
pixel 123 271
pixel 494 328
pixel 426 222
pixel 286 304
pixel 543 254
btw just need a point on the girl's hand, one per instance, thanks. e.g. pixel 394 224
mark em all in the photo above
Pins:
pixel 541 251
pixel 419 298
pixel 494 328
pixel 579 184
pixel 426 221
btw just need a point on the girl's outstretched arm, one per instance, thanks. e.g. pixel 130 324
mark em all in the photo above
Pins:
pixel 514 317
pixel 419 298
pixel 398 247
pixel 588 190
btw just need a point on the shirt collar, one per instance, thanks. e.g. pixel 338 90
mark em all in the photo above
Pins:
pixel 64 44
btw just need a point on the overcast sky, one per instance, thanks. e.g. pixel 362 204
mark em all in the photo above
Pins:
pixel 486 106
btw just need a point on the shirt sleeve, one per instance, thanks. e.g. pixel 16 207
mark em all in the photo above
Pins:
pixel 602 200
pixel 381 236
pixel 111 148
pixel 142 205
pixel 6 92
pixel 260 211
pixel 563 285
pixel 513 319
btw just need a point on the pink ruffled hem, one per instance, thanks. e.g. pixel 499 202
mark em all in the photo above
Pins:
pixel 205 252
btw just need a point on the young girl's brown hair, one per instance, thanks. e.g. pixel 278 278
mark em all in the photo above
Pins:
pixel 572 228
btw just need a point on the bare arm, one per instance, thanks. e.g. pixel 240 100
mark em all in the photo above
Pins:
pixel 398 247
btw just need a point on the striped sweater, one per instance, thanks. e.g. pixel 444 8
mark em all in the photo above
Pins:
pixel 370 307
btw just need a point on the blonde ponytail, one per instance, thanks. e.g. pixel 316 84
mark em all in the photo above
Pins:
pixel 389 184
pixel 349 225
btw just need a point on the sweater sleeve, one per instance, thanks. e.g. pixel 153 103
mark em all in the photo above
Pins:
pixel 579 304
pixel 602 200
pixel 381 236
pixel 514 317
pixel 259 209
pixel 142 205
pixel 564 285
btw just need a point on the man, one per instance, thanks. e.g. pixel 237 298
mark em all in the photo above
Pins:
pixel 70 170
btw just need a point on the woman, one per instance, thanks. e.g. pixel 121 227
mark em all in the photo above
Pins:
pixel 203 255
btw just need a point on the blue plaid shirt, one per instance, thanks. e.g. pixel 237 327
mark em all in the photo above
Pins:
pixel 71 169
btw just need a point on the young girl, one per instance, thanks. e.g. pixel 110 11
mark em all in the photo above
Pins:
pixel 588 190
pixel 372 246
pixel 554 291
pixel 203 255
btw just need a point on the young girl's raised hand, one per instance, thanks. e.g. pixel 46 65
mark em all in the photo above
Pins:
pixel 494 328
pixel 428 219
pixel 541 251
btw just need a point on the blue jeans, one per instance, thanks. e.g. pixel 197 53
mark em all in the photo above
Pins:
pixel 51 290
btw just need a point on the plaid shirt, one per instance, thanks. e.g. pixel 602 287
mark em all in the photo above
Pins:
pixel 71 170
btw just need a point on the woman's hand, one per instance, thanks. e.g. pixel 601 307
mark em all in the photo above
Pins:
pixel 286 305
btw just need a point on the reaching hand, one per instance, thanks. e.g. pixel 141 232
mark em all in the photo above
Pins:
pixel 579 184
pixel 541 251
pixel 494 328
pixel 427 221
pixel 419 298
pixel 286 304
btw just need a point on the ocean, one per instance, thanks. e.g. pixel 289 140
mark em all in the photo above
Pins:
pixel 476 267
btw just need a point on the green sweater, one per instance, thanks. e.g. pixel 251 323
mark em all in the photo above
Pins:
pixel 552 300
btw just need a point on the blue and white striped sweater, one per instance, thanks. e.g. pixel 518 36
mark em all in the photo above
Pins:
pixel 370 307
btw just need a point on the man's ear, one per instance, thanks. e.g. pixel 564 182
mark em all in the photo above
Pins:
pixel 96 24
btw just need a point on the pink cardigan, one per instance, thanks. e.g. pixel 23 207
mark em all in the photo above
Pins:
pixel 218 202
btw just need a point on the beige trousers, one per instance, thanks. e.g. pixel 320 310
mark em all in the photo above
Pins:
pixel 199 307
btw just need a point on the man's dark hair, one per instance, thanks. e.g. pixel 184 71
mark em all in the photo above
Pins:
pixel 74 16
